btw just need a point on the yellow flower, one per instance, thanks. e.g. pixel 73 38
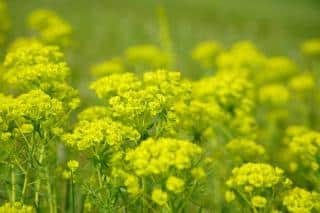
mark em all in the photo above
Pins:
pixel 73 165
pixel 244 149
pixel 229 196
pixel 26 128
pixel 243 54
pixel 66 174
pixel 51 28
pixel 259 201
pixel 108 67
pixel 311 47
pixel 205 53
pixel 14 207
pixel 132 184
pixel 158 156
pixel 147 56
pixel 274 94
pixel 257 175
pixel 300 200
pixel 160 197
pixel 198 173
pixel 302 83
pixel 175 184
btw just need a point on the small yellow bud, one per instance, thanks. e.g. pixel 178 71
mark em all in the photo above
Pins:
pixel 73 165
pixel 160 197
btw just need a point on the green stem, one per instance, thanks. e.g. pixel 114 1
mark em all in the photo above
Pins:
pixel 99 176
pixel 72 193
pixel 38 181
pixel 49 190
pixel 24 188
pixel 13 185
pixel 54 200
pixel 67 196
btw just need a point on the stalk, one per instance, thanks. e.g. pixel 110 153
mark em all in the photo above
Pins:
pixel 38 181
pixel 50 198
pixel 24 188
pixel 13 185
pixel 99 176
pixel 72 193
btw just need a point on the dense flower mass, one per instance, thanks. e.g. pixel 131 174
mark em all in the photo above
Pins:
pixel 274 94
pixel 237 133
pixel 244 150
pixel 38 66
pixel 89 134
pixel 147 56
pixel 311 47
pixel 300 200
pixel 108 67
pixel 257 183
pixel 206 52
pixel 142 104
pixel 304 149
pixel 256 176
pixel 242 54
pixel 16 207
pixel 51 28
pixel 155 157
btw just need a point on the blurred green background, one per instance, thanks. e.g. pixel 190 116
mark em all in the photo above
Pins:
pixel 104 28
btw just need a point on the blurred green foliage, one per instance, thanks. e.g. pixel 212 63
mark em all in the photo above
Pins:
pixel 104 28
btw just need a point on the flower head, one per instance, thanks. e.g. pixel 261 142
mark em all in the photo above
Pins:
pixel 159 197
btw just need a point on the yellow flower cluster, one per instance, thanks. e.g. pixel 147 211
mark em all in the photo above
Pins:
pixel 244 150
pixel 274 94
pixel 7 106
pixel 4 21
pixel 32 111
pixel 175 163
pixel 142 104
pixel 51 28
pixel 276 68
pixel 23 42
pixel 38 66
pixel 233 92
pixel 99 133
pixel 16 207
pixel 311 47
pixel 38 107
pixel 147 56
pixel 73 165
pixel 108 67
pixel 159 156
pixel 230 89
pixel 304 148
pixel 159 197
pixel 259 201
pixel 132 184
pixel 302 83
pixel 137 58
pixel 175 184
pixel 241 55
pixel 259 184
pixel 93 113
pixel 206 52
pixel 255 175
pixel 300 200
pixel 115 84
pixel 199 117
